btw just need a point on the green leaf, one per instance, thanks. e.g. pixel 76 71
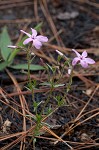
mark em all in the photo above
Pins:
pixel 59 85
pixel 38 27
pixel 3 65
pixel 13 54
pixel 49 67
pixel 25 67
pixel 4 42
pixel 49 84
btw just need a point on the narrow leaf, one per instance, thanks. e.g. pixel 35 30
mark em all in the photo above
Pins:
pixel 13 54
pixel 25 67
pixel 4 42
pixel 49 67
pixel 58 85
pixel 38 27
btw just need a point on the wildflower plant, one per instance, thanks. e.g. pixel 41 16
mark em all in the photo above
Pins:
pixel 36 41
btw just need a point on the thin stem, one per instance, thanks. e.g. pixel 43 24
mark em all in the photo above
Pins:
pixel 28 61
pixel 29 75
pixel 46 102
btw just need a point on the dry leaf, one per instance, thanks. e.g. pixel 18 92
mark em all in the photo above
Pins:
pixel 89 91
pixel 85 138
pixel 6 126
pixel 68 15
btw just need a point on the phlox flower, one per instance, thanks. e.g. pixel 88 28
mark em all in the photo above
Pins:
pixel 82 59
pixel 36 40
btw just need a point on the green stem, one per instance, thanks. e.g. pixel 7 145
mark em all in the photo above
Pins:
pixel 29 75
pixel 28 60
pixel 46 102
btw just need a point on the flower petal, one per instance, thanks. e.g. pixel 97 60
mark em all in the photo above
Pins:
pixel 84 54
pixel 34 33
pixel 76 52
pixel 75 61
pixel 27 41
pixel 29 35
pixel 37 44
pixel 42 38
pixel 69 71
pixel 89 61
pixel 11 46
pixel 83 63
pixel 61 54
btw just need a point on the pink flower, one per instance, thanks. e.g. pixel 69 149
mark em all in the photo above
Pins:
pixel 82 59
pixel 37 40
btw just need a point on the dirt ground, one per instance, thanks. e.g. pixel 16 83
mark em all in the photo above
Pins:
pixel 68 25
